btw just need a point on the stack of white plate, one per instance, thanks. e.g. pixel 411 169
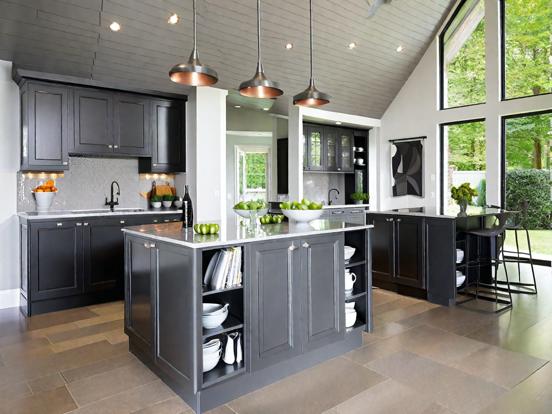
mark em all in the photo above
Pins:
pixel 460 278
pixel 459 255
pixel 350 314
pixel 214 314
pixel 211 354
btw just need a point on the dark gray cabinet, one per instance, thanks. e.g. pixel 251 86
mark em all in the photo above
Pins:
pixel 349 215
pixel 298 306
pixel 383 240
pixel 46 126
pixel 56 265
pixel 328 148
pixel 131 124
pixel 345 150
pixel 93 119
pixel 314 148
pixel 331 162
pixel 168 138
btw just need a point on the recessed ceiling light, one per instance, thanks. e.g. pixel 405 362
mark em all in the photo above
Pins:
pixel 289 46
pixel 400 48
pixel 352 45
pixel 338 122
pixel 115 27
pixel 173 19
pixel 266 109
pixel 237 106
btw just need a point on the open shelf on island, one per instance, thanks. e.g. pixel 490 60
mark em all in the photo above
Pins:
pixel 222 372
pixel 354 296
pixel 355 264
pixel 230 324
pixel 207 291
pixel 359 324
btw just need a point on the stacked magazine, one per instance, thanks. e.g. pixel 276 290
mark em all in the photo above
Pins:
pixel 224 269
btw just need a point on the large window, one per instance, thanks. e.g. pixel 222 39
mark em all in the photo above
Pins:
pixel 463 159
pixel 527 178
pixel 462 56
pixel 253 172
pixel 527 45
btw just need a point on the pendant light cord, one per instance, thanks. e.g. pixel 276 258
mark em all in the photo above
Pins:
pixel 311 41
pixel 259 33
pixel 195 25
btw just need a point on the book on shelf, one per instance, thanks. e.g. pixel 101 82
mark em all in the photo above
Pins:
pixel 226 269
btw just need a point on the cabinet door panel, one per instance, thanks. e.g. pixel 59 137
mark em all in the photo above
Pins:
pixel 93 121
pixel 330 149
pixel 345 158
pixel 409 251
pixel 56 260
pixel 131 123
pixel 382 247
pixel 323 269
pixel 314 142
pixel 275 300
pixel 139 295
pixel 169 143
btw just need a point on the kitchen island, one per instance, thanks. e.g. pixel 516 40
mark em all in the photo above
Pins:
pixel 289 307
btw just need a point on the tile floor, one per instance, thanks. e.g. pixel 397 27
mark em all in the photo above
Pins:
pixel 421 359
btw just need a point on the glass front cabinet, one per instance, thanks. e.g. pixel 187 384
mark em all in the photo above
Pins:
pixel 313 160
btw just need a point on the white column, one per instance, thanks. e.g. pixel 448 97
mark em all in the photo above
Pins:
pixel 295 152
pixel 206 152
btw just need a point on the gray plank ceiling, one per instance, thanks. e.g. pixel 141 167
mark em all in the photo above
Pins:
pixel 73 37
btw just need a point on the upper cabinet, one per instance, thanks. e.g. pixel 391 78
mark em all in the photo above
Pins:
pixel 61 119
pixel 314 159
pixel 345 157
pixel 168 138
pixel 328 149
pixel 46 125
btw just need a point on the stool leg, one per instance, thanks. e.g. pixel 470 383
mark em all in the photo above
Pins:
pixel 517 248
pixel 531 259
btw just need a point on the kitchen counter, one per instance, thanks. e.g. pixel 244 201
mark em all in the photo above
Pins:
pixel 343 206
pixel 233 233
pixel 449 213
pixel 53 214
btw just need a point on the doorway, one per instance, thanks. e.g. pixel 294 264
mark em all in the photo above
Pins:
pixel 252 167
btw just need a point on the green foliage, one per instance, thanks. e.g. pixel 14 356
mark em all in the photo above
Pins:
pixel 463 193
pixel 168 197
pixel 528 142
pixel 467 146
pixel 156 198
pixel 360 197
pixel 530 187
pixel 255 172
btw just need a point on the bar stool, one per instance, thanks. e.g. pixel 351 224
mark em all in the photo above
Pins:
pixel 495 236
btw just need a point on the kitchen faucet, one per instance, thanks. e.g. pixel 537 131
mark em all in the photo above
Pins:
pixel 330 201
pixel 113 202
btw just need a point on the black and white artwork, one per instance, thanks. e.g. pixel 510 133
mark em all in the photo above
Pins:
pixel 406 164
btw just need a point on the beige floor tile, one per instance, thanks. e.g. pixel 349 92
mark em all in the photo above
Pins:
pixel 116 337
pixel 25 351
pixel 384 329
pixel 88 354
pixel 85 331
pixel 108 317
pixel 223 409
pixel 47 320
pixel 108 383
pixel 46 383
pixel 130 400
pixel 373 351
pixel 498 365
pixel 56 401
pixel 98 367
pixel 171 406
pixel 405 312
pixel 454 389
pixel 77 342
pixel 387 397
pixel 310 391
pixel 107 308
pixel 13 391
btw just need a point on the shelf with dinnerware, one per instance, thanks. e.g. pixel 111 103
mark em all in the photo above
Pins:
pixel 222 314
pixel 355 283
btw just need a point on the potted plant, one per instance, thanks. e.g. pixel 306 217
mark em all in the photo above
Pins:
pixel 463 195
pixel 168 200
pixel 155 201
pixel 360 198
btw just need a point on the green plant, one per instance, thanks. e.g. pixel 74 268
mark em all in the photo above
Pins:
pixel 168 197
pixel 528 191
pixel 360 196
pixel 156 198
pixel 463 193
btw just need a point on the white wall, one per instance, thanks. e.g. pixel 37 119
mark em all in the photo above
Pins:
pixel 414 112
pixel 9 165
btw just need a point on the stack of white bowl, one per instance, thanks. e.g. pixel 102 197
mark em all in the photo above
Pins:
pixel 459 255
pixel 350 314
pixel 212 351
pixel 348 252
pixel 214 314
pixel 460 278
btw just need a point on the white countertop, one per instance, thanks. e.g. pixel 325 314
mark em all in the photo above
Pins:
pixel 236 234
pixel 53 214
pixel 344 206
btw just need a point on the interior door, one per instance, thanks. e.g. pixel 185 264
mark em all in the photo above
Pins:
pixel 93 117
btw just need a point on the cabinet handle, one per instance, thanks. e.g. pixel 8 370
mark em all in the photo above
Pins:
pixel 110 146
pixel 122 222
pixel 155 221
pixel 292 247
pixel 146 245
pixel 155 165
pixel 59 224
pixel 306 245
pixel 338 212
pixel 86 224
pixel 115 146
pixel 389 219
pixel 65 163
pixel 399 220
pixel 79 224
pixel 152 245
pixel 339 169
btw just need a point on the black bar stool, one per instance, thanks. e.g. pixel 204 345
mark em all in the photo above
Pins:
pixel 495 236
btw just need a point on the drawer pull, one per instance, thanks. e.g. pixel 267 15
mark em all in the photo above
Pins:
pixel 306 245
pixel 399 220
pixel 79 224
pixel 292 247
pixel 86 224
pixel 115 146
pixel 122 222
pixel 59 224
pixel 146 245
pixel 152 245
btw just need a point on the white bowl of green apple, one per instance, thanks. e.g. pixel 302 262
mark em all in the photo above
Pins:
pixel 246 208
pixel 301 211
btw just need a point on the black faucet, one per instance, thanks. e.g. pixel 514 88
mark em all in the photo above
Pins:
pixel 113 202
pixel 330 201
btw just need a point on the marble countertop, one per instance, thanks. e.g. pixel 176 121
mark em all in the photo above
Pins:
pixel 53 214
pixel 344 206
pixel 236 234
pixel 450 212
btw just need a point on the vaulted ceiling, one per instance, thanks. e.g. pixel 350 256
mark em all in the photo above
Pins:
pixel 73 37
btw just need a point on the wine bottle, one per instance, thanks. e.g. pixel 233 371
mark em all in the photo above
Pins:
pixel 187 213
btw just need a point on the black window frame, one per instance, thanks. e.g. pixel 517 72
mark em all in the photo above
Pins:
pixel 502 72
pixel 442 63
pixel 442 154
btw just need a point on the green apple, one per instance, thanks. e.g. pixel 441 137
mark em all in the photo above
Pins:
pixel 204 228
pixel 196 228
pixel 212 229
pixel 305 201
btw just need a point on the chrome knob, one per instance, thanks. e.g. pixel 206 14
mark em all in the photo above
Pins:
pixel 292 247
pixel 306 245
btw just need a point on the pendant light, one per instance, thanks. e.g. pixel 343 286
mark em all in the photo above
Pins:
pixel 193 73
pixel 260 86
pixel 311 96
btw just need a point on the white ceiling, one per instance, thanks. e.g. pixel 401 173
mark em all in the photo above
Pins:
pixel 73 37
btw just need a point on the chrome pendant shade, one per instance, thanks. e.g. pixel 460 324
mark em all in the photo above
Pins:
pixel 311 96
pixel 193 73
pixel 259 86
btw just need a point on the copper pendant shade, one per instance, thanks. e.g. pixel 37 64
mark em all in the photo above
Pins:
pixel 193 73
pixel 260 86
pixel 311 96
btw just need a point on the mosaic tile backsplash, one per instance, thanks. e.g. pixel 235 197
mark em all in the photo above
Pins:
pixel 317 185
pixel 87 182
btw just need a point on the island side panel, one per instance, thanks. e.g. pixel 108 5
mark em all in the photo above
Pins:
pixel 368 275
